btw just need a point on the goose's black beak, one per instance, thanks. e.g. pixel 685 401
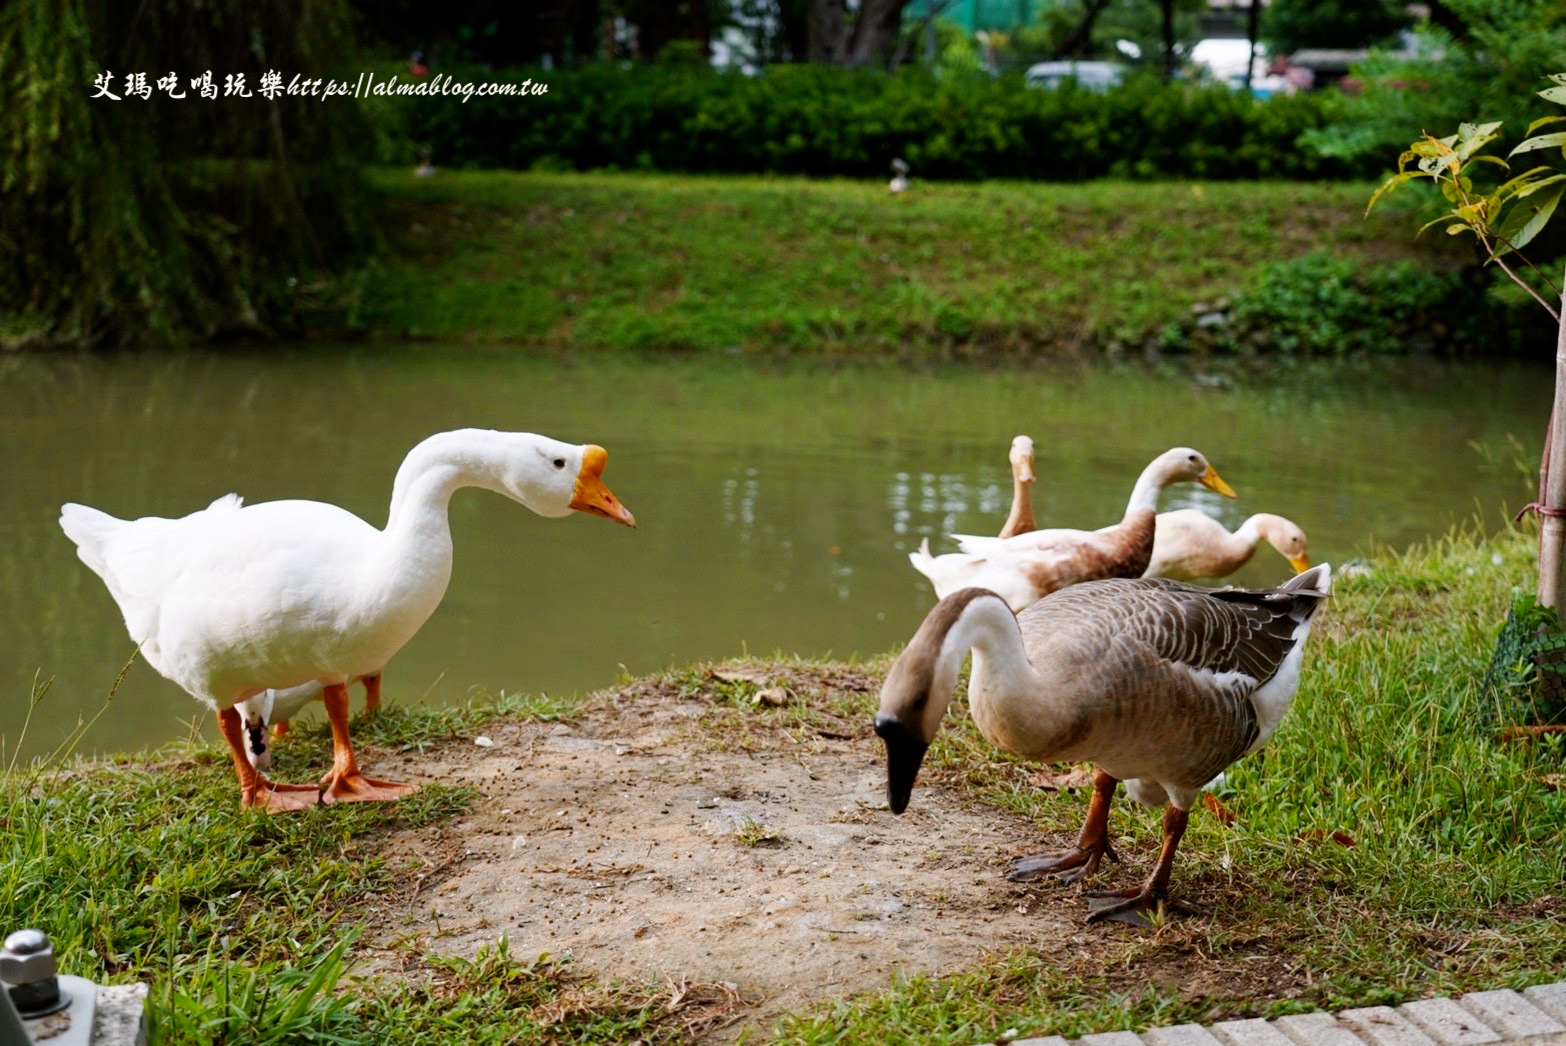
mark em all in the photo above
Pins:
pixel 904 752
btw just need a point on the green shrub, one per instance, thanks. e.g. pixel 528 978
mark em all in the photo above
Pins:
pixel 823 121
pixel 1320 304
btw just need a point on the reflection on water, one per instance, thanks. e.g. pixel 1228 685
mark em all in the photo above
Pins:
pixel 776 504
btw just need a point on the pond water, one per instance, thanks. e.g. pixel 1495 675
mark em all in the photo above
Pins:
pixel 776 503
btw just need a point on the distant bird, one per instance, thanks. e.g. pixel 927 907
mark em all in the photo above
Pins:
pixel 235 600
pixel 1031 565
pixel 1159 683
pixel 1190 545
pixel 899 180
pixel 425 169
pixel 1020 521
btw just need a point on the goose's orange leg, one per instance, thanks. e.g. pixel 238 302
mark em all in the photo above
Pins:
pixel 1093 846
pixel 372 703
pixel 1127 905
pixel 345 784
pixel 255 790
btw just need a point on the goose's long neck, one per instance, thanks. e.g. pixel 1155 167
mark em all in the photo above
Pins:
pixel 416 548
pixel 433 471
pixel 1011 702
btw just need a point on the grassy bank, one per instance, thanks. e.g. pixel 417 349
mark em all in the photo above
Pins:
pixel 246 925
pixel 791 265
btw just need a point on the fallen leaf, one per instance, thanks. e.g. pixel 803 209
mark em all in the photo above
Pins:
pixel 1050 781
pixel 742 675
pixel 1220 811
pixel 1523 733
pixel 1554 782
pixel 1341 838
pixel 775 697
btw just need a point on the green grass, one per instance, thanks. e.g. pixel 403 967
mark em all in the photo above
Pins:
pixel 788 265
pixel 244 924
pixel 247 926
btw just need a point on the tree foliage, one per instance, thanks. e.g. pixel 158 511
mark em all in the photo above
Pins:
pixel 160 218
pixel 1483 61
pixel 1289 25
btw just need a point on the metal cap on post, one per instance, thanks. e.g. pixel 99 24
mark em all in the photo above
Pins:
pixel 27 968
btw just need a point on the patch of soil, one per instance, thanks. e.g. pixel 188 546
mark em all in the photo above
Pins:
pixel 650 844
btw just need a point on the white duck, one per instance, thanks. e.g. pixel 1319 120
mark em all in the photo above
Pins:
pixel 1160 683
pixel 231 601
pixel 1020 521
pixel 1029 566
pixel 1191 545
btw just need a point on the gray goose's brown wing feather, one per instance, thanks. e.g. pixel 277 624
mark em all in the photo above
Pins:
pixel 1167 649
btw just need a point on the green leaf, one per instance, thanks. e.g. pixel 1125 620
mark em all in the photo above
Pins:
pixel 1529 190
pixel 1390 184
pixel 1543 141
pixel 1471 138
pixel 1543 121
pixel 1525 221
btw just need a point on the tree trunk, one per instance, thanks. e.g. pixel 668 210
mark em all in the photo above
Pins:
pixel 873 31
pixel 1169 55
pixel 1552 525
pixel 1082 36
pixel 1252 23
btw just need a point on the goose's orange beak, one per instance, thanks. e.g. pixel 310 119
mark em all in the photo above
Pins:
pixel 590 494
pixel 1212 481
pixel 1300 563
pixel 1024 470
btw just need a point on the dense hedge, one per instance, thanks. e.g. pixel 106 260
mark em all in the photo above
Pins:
pixel 825 121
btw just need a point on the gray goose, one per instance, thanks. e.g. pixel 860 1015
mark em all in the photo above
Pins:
pixel 1159 683
pixel 1029 566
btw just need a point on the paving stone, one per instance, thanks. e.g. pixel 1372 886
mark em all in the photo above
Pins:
pixel 1551 998
pixel 1180 1035
pixel 1384 1026
pixel 1317 1029
pixel 1448 1022
pixel 1254 1032
pixel 1511 1014
pixel 1112 1038
pixel 119 1019
pixel 1048 1040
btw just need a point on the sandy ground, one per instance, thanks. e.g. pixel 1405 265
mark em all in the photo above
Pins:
pixel 648 843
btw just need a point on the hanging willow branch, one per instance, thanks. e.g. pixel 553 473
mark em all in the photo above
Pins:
pixel 164 219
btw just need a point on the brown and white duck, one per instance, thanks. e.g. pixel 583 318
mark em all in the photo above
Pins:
pixel 1159 683
pixel 1029 566
pixel 1020 521
pixel 1191 545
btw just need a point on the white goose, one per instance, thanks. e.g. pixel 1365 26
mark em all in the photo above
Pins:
pixel 1160 683
pixel 1029 566
pixel 1191 545
pixel 232 601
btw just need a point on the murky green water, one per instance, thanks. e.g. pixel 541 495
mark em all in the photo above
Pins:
pixel 776 504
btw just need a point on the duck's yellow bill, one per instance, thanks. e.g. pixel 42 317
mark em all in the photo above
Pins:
pixel 1212 481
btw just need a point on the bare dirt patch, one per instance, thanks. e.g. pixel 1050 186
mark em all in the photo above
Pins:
pixel 661 838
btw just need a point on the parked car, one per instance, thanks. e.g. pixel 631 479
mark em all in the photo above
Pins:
pixel 1090 75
